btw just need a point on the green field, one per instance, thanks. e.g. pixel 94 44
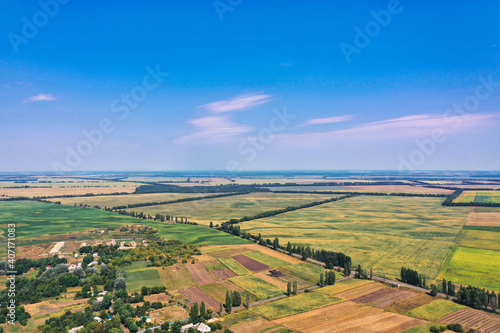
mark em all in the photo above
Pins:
pixel 307 271
pixel 479 197
pixel 218 291
pixel 380 232
pixel 256 286
pixel 35 219
pixel 435 310
pixel 121 200
pixel 295 304
pixel 476 267
pixel 220 210
pixel 139 275
pixel 266 259
pixel 233 265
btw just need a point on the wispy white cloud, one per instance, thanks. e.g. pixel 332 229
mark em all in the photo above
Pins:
pixel 416 126
pixel 40 97
pixel 329 120
pixel 213 129
pixel 237 103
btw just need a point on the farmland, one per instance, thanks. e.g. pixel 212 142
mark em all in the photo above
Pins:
pixel 256 286
pixel 148 277
pixel 56 191
pixel 348 317
pixel 479 197
pixel 293 305
pixel 380 232
pixel 122 200
pixel 435 310
pixel 477 267
pixel 220 210
pixel 42 219
pixel 474 319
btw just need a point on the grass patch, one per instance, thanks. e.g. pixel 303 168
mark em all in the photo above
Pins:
pixel 435 310
pixel 233 265
pixel 342 286
pixel 218 291
pixel 476 267
pixel 481 239
pixel 295 304
pixel 306 271
pixel 481 228
pixel 213 265
pixel 266 259
pixel 256 286
pixel 424 328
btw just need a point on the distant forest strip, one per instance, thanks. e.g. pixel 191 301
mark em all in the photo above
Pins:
pixel 336 184
pixel 370 193
pixel 154 203
pixel 164 188
pixel 449 201
pixel 281 211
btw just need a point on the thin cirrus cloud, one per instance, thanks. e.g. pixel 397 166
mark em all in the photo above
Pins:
pixel 40 98
pixel 416 126
pixel 329 120
pixel 213 129
pixel 237 103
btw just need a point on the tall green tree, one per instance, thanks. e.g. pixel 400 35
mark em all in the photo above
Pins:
pixel 289 288
pixel 229 302
pixel 295 287
pixel 203 311
pixel 236 298
pixel 321 280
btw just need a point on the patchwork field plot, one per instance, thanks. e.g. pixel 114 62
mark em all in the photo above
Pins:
pixel 218 290
pixel 477 267
pixel 200 274
pixel 365 188
pixel 348 317
pixel 195 294
pixel 478 320
pixel 223 209
pixel 484 219
pixel 435 310
pixel 176 277
pixel 479 197
pixel 257 325
pixel 223 274
pixel 383 297
pixel 481 239
pixel 122 200
pixel 345 285
pixel 380 232
pixel 266 259
pixel 234 266
pixel 356 293
pixel 305 271
pixel 250 264
pixel 293 305
pixel 257 286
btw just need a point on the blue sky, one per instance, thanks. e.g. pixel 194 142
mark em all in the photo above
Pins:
pixel 251 85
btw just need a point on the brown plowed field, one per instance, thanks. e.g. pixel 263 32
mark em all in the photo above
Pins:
pixel 349 317
pixel 383 297
pixel 250 264
pixel 200 274
pixel 195 294
pixel 360 291
pixel 478 320
pixel 484 219
pixel 277 254
pixel 223 274
pixel 410 303
pixel 266 276
pixel 55 191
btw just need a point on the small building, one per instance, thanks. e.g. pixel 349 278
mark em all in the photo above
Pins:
pixel 201 327
pixel 75 329
pixel 98 319
pixel 186 327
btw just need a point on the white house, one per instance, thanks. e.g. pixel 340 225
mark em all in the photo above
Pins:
pixel 201 327
pixel 75 329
